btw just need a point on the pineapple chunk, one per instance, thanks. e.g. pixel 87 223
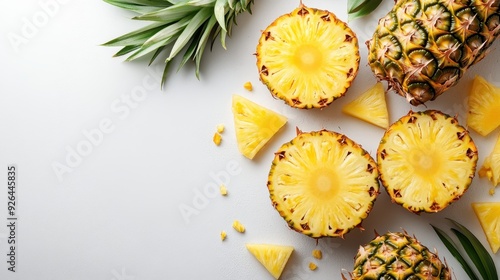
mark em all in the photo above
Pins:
pixel 370 107
pixel 239 227
pixel 248 86
pixel 312 266
pixel 491 165
pixel 220 128
pixel 484 106
pixel 272 257
pixel 223 235
pixel 217 139
pixel 223 190
pixel 488 214
pixel 317 254
pixel 254 125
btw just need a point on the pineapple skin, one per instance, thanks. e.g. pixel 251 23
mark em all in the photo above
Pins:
pixel 423 47
pixel 398 256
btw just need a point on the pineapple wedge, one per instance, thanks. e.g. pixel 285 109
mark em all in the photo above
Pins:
pixel 254 125
pixel 370 107
pixel 488 214
pixel 484 106
pixel 491 165
pixel 272 257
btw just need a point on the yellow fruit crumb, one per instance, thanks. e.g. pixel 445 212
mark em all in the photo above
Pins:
pixel 492 191
pixel 312 266
pixel 217 139
pixel 317 254
pixel 220 128
pixel 238 226
pixel 223 190
pixel 223 235
pixel 248 86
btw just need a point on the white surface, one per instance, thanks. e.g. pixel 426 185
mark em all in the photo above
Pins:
pixel 116 215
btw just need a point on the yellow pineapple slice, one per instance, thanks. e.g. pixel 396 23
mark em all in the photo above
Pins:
pixel 491 165
pixel 370 107
pixel 254 125
pixel 272 257
pixel 488 214
pixel 484 106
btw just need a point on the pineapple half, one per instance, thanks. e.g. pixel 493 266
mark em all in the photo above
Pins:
pixel 323 183
pixel 398 256
pixel 423 47
pixel 491 165
pixel 370 107
pixel 484 106
pixel 273 257
pixel 254 125
pixel 488 214
pixel 308 58
pixel 426 161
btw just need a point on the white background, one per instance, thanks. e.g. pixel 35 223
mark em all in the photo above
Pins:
pixel 117 215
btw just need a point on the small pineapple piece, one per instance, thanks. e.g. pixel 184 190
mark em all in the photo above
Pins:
pixel 248 86
pixel 254 125
pixel 239 227
pixel 312 266
pixel 317 254
pixel 370 107
pixel 488 214
pixel 223 190
pixel 217 139
pixel 484 106
pixel 220 128
pixel 491 165
pixel 223 235
pixel 272 257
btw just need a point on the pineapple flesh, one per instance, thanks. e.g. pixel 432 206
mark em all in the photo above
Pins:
pixel 484 106
pixel 370 107
pixel 488 214
pixel 273 257
pixel 254 125
pixel 323 183
pixel 426 161
pixel 423 47
pixel 491 165
pixel 398 256
pixel 308 58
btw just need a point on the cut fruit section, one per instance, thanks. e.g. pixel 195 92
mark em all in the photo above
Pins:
pixel 488 214
pixel 491 165
pixel 426 161
pixel 308 58
pixel 370 107
pixel 484 106
pixel 323 183
pixel 272 257
pixel 254 125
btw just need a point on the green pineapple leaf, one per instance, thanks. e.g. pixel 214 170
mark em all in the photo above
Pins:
pixel 360 8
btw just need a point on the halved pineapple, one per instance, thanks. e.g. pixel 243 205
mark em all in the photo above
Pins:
pixel 491 165
pixel 254 125
pixel 308 58
pixel 370 107
pixel 488 214
pixel 323 183
pixel 272 257
pixel 426 161
pixel 484 106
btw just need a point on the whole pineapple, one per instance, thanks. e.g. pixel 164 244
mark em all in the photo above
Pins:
pixel 323 183
pixel 308 58
pixel 398 256
pixel 423 47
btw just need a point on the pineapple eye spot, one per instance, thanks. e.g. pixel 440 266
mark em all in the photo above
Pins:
pixel 308 58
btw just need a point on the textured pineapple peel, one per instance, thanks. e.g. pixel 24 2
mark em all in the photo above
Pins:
pixel 484 106
pixel 323 183
pixel 426 161
pixel 423 47
pixel 308 58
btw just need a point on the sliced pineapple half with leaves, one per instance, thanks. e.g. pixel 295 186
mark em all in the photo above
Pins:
pixel 254 125
pixel 273 257
pixel 370 107
pixel 488 214
pixel 323 183
pixel 491 165
pixel 426 161
pixel 308 58
pixel 484 106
